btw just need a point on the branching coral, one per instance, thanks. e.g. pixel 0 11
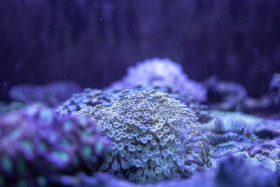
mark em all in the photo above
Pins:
pixel 50 94
pixel 154 137
pixel 163 73
pixel 34 144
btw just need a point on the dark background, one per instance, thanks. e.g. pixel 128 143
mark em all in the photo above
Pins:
pixel 92 42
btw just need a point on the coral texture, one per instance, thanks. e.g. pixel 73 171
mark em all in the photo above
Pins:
pixel 86 99
pixel 161 72
pixel 89 98
pixel 266 152
pixel 228 136
pixel 34 144
pixel 263 128
pixel 232 172
pixel 50 94
pixel 154 137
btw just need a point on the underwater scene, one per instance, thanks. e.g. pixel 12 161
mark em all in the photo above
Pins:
pixel 139 93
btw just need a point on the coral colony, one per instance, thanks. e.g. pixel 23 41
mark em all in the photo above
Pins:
pixel 154 138
pixel 36 144
pixel 155 127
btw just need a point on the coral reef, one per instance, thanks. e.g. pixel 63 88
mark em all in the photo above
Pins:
pixel 159 132
pixel 154 137
pixel 35 144
pixel 146 125
pixel 228 136
pixel 50 94
pixel 163 73
pixel 233 171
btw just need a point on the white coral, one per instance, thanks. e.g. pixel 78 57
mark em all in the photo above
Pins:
pixel 155 137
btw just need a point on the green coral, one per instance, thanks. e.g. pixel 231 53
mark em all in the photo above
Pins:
pixel 36 144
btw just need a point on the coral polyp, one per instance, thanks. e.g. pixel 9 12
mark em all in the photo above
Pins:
pixel 154 137
pixel 228 136
pixel 35 144
pixel 89 98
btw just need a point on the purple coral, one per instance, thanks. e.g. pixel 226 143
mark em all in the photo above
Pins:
pixel 34 144
pixel 163 73
pixel 50 94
